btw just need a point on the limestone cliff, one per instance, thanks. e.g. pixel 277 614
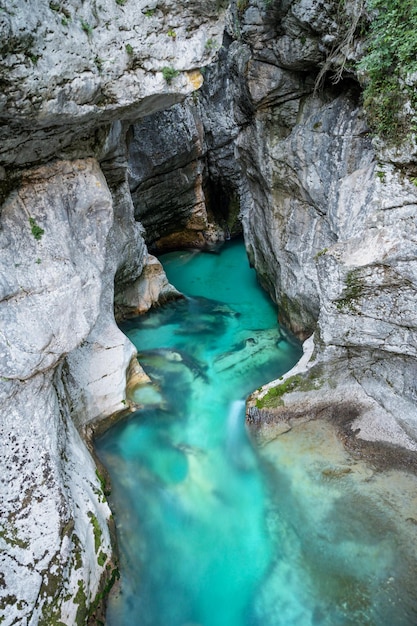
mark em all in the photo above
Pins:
pixel 330 221
pixel 327 209
pixel 73 75
pixel 103 149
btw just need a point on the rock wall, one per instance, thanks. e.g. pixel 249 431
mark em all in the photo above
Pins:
pixel 74 76
pixel 330 218
pixel 54 532
pixel 328 211
pixel 93 165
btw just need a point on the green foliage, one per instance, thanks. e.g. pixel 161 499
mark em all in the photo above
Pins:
pixel 115 575
pixel 58 8
pixel 320 253
pixel 129 49
pixel 169 73
pixel 211 44
pixel 150 12
pixel 242 5
pixel 388 65
pixel 273 398
pixel 103 484
pixel 121 3
pixel 80 598
pixel 96 530
pixel 33 57
pixel 354 287
pixel 171 33
pixel 36 230
pixel 87 28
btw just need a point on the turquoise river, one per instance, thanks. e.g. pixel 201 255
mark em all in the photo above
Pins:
pixel 216 531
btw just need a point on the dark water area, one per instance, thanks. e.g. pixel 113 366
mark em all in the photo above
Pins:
pixel 215 532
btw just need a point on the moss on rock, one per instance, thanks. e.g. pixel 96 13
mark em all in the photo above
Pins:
pixel 299 382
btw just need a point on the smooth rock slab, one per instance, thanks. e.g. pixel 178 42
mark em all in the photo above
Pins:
pixel 51 287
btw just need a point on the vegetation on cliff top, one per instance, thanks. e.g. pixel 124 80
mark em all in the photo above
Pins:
pixel 390 68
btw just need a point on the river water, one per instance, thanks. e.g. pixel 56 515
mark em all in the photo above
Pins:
pixel 213 531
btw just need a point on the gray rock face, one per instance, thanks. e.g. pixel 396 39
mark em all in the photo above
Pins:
pixel 50 254
pixel 328 220
pixel 54 536
pixel 184 177
pixel 69 68
pixel 317 177
pixel 165 175
pixel 91 163
pixel 54 236
pixel 73 76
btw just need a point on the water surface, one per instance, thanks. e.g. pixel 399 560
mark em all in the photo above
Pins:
pixel 214 532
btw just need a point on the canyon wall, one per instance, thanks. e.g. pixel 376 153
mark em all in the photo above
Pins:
pixel 107 148
pixel 73 77
pixel 327 209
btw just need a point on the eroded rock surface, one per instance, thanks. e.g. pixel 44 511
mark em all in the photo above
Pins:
pixel 327 210
pixel 69 68
pixel 73 77
pixel 276 136
pixel 54 536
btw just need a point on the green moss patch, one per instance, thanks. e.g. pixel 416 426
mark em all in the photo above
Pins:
pixel 81 599
pixel 36 230
pixel 354 287
pixel 113 575
pixel 388 67
pixel 96 530
pixel 273 398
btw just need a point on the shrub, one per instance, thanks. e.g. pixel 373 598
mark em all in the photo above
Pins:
pixel 242 5
pixel 86 28
pixel 211 44
pixel 169 73
pixel 99 64
pixel 387 67
pixel 37 231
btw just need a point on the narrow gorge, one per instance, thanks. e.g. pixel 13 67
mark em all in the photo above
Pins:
pixel 131 128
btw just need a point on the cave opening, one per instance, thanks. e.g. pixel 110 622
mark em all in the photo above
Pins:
pixel 223 206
